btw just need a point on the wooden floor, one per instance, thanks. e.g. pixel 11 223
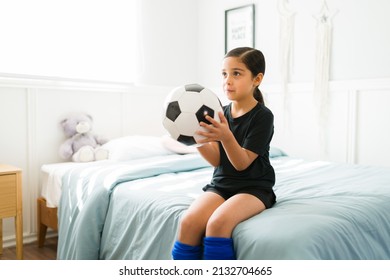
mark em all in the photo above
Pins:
pixel 33 252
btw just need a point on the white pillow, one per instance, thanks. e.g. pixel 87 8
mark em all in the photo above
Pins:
pixel 135 147
pixel 177 147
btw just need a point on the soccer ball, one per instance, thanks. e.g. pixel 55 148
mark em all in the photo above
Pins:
pixel 185 107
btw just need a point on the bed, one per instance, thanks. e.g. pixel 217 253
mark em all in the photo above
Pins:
pixel 129 208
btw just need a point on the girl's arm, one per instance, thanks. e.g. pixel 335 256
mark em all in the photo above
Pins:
pixel 239 157
pixel 210 152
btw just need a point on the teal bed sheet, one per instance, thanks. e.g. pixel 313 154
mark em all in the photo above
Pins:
pixel 131 210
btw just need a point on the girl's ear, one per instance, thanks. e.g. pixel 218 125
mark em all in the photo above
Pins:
pixel 257 80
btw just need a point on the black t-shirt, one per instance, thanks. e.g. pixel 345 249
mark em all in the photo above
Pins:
pixel 253 131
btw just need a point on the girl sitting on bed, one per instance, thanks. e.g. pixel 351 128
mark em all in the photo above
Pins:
pixel 238 148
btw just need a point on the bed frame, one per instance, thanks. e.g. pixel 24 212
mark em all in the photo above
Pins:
pixel 47 218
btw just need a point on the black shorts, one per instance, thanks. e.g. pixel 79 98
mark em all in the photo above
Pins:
pixel 267 196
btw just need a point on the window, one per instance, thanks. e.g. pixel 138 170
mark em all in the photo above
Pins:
pixel 77 39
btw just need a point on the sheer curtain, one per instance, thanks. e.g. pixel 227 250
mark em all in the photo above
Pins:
pixel 70 39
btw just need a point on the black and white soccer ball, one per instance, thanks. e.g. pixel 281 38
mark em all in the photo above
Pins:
pixel 185 107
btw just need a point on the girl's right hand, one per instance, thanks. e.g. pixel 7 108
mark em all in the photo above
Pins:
pixel 215 131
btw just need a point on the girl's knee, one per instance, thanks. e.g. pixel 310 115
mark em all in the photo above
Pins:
pixel 219 226
pixel 190 224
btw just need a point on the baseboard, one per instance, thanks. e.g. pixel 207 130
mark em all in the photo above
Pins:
pixel 27 239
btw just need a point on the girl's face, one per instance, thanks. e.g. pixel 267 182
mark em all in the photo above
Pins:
pixel 238 81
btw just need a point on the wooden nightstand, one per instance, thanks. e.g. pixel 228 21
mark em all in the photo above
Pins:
pixel 11 203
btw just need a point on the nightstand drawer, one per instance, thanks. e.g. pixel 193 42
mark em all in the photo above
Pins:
pixel 7 195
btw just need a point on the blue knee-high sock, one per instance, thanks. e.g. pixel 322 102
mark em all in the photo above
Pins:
pixel 218 248
pixel 183 251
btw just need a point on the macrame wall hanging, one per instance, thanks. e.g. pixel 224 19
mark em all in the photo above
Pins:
pixel 322 67
pixel 286 37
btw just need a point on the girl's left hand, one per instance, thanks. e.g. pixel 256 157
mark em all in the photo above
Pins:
pixel 215 131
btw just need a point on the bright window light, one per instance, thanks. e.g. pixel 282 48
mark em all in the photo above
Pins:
pixel 76 39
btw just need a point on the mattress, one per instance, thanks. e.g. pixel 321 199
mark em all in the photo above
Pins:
pixel 51 176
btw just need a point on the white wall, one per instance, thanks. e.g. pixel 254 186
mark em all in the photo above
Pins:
pixel 360 38
pixel 359 75
pixel 357 130
pixel 168 41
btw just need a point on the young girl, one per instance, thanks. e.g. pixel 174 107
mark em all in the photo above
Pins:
pixel 238 148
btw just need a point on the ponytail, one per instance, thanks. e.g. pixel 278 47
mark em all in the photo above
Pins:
pixel 258 95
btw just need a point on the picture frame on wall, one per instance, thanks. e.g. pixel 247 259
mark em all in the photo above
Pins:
pixel 240 27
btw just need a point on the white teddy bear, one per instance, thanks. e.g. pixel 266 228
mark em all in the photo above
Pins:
pixel 81 145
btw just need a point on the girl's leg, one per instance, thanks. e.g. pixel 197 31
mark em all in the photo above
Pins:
pixel 236 209
pixel 218 243
pixel 193 225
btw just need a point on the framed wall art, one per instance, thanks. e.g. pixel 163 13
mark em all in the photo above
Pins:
pixel 240 27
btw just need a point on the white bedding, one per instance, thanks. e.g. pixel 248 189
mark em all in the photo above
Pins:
pixel 51 175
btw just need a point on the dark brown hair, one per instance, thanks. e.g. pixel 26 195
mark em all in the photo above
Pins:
pixel 254 61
